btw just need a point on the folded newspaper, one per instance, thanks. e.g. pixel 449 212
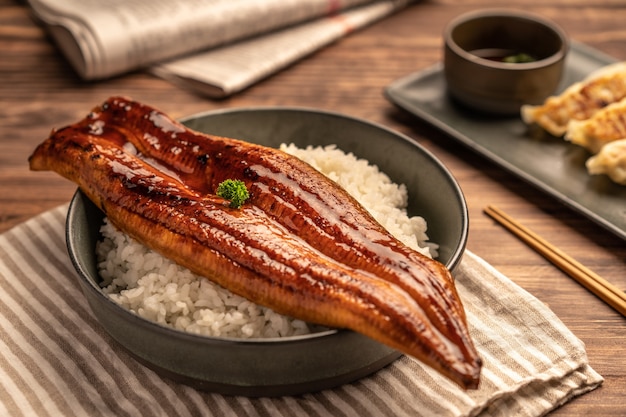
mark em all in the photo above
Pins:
pixel 214 47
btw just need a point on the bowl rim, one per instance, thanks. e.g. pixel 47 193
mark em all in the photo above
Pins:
pixel 507 13
pixel 79 197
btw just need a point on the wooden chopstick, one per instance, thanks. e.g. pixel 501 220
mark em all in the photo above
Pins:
pixel 603 289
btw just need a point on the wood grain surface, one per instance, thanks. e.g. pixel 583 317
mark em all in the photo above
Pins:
pixel 40 91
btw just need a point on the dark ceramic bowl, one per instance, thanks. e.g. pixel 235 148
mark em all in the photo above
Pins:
pixel 496 60
pixel 290 365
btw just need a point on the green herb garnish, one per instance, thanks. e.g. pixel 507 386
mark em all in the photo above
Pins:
pixel 233 190
pixel 518 58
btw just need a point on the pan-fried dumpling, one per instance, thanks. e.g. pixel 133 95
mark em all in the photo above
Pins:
pixel 606 125
pixel 579 101
pixel 611 160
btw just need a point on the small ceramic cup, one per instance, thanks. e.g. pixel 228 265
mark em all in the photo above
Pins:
pixel 497 60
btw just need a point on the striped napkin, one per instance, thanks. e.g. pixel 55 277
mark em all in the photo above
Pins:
pixel 55 359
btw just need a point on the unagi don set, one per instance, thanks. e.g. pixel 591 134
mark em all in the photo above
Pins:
pixel 300 244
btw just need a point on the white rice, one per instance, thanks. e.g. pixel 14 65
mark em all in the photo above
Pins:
pixel 157 289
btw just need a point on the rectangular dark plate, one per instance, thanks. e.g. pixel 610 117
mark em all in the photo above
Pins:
pixel 551 164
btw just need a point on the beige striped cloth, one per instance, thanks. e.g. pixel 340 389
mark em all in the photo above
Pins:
pixel 55 359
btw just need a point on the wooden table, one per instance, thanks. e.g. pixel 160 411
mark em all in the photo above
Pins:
pixel 39 90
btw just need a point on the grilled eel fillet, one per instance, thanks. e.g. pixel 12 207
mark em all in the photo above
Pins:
pixel 300 245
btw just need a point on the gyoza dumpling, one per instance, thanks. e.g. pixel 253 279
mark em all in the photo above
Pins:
pixel 611 160
pixel 579 101
pixel 606 125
